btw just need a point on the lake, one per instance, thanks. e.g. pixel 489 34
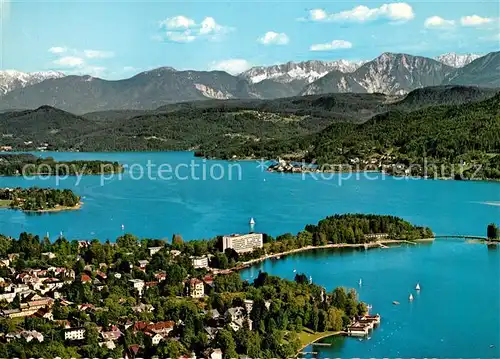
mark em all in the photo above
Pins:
pixel 150 207
pixel 456 313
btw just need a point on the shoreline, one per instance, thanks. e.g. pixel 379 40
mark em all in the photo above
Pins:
pixel 315 340
pixel 376 244
pixel 48 210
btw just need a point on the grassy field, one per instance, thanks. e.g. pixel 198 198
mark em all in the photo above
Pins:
pixel 307 336
pixel 5 203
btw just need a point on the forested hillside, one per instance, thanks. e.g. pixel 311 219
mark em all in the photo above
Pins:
pixel 453 136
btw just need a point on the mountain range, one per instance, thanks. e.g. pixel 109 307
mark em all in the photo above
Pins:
pixel 11 79
pixel 217 127
pixel 389 73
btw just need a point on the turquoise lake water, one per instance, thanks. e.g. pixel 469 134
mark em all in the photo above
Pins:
pixel 457 313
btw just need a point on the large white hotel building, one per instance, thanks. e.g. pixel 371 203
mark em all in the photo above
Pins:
pixel 243 243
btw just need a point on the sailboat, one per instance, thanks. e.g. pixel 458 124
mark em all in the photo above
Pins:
pixel 411 297
pixel 360 282
pixel 417 287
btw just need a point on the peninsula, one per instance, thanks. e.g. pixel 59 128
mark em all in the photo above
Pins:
pixel 39 199
pixel 26 164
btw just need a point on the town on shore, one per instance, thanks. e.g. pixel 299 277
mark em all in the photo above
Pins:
pixel 157 298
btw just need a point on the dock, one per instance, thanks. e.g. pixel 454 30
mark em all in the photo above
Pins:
pixel 362 326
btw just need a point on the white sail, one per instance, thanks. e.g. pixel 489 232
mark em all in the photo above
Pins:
pixel 417 287
pixel 411 297
pixel 252 221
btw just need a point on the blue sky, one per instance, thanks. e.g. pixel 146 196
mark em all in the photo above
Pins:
pixel 116 39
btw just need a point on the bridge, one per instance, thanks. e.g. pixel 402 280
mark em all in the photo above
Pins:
pixel 455 236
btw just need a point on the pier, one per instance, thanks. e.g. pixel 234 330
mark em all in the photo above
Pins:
pixel 362 326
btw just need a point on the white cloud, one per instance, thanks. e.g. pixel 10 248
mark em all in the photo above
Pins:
pixel 318 14
pixel 232 66
pixel 69 61
pixel 437 22
pixel 475 20
pixel 98 54
pixel 58 50
pixel 79 62
pixel 329 46
pixel 183 29
pixel 274 38
pixel 177 22
pixel 397 12
pixel 184 36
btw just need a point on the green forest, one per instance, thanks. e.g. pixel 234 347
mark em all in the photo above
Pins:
pixel 449 140
pixel 29 165
pixel 38 199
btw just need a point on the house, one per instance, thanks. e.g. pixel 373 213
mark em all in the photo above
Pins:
pixel 111 335
pixel 154 250
pixel 132 351
pixel 196 288
pixel 209 280
pixel 163 328
pixel 237 316
pixel 156 339
pixel 143 308
pixel 101 275
pixel 30 335
pixel 109 344
pixel 13 256
pixel 85 278
pixel 214 314
pixel 44 313
pixel 160 276
pixel 138 285
pixel 248 305
pixel 216 354
pixel 199 262
pixel 142 264
pixel 48 255
pixel 74 334
pixel 211 332
pixel 5 262
pixel 140 327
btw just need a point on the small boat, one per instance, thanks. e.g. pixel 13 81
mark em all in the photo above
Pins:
pixel 252 221
pixel 295 270
pixel 310 279
pixel 123 227
pixel 395 302
pixel 360 283
pixel 410 298
pixel 417 287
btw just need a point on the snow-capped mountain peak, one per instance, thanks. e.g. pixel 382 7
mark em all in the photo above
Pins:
pixel 307 71
pixel 457 60
pixel 13 79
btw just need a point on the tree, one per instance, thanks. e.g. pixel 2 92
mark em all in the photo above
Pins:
pixel 335 319
pixel 493 232
pixel 177 241
pixel 225 341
